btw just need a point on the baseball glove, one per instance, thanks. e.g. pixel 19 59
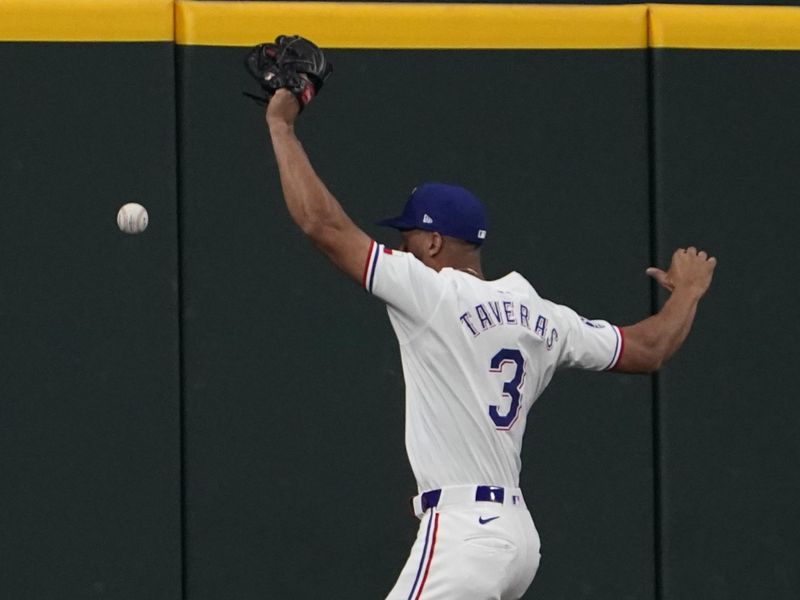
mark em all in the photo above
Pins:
pixel 290 62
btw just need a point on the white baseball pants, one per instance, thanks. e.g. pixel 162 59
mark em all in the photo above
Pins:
pixel 471 550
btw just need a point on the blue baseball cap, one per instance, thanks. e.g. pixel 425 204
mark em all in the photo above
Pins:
pixel 447 209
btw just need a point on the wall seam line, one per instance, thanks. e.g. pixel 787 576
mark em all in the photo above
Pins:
pixel 654 306
pixel 181 302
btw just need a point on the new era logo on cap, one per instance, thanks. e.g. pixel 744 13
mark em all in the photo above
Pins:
pixel 481 234
pixel 426 218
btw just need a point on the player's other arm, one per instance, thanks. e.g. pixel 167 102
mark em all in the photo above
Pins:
pixel 310 204
pixel 651 342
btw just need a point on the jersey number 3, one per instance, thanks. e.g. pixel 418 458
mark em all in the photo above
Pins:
pixel 510 388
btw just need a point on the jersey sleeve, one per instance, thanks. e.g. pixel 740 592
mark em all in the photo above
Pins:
pixel 595 345
pixel 408 287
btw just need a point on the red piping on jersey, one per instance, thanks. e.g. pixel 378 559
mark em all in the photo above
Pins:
pixel 366 264
pixel 621 347
pixel 430 557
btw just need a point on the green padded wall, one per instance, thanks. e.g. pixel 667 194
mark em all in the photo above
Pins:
pixel 208 410
pixel 727 158
pixel 89 384
pixel 297 481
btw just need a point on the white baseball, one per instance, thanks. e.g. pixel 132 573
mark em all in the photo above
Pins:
pixel 132 218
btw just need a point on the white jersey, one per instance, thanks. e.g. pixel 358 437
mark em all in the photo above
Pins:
pixel 476 355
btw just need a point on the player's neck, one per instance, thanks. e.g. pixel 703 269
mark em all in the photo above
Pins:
pixel 474 272
pixel 471 267
pixel 455 256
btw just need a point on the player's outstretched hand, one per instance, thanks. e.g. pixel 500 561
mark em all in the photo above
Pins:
pixel 283 108
pixel 690 270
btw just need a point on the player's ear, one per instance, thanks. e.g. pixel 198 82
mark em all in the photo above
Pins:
pixel 403 245
pixel 435 243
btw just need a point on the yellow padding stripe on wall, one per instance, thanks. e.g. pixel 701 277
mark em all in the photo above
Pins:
pixel 388 25
pixel 405 25
pixel 724 27
pixel 87 20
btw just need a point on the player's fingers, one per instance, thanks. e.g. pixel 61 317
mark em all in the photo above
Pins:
pixel 657 274
pixel 678 253
pixel 713 261
pixel 702 254
pixel 691 251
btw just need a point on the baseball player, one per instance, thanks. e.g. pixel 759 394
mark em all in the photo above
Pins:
pixel 476 354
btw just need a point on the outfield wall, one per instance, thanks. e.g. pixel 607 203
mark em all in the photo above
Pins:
pixel 208 410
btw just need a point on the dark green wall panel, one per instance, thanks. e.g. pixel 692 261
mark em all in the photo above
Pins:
pixel 89 388
pixel 297 481
pixel 728 155
pixel 295 476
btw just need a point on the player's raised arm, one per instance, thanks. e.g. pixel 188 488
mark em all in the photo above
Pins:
pixel 310 204
pixel 651 342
